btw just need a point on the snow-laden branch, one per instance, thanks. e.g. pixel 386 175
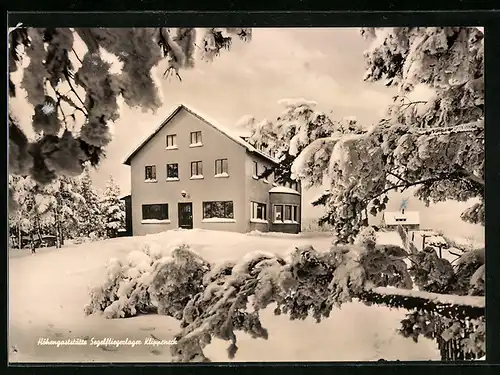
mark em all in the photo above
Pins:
pixel 474 126
pixel 451 306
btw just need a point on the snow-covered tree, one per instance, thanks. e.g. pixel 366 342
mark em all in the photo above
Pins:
pixel 432 138
pixel 63 200
pixel 112 208
pixel 72 89
pixel 290 133
pixel 90 215
pixel 49 209
pixel 21 191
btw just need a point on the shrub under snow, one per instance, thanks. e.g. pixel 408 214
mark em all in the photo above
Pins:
pixel 153 279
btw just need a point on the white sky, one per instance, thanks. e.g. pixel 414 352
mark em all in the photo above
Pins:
pixel 323 65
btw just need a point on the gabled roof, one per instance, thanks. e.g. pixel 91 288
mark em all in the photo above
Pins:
pixel 399 218
pixel 205 119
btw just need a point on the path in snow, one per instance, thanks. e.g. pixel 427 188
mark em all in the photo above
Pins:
pixel 48 290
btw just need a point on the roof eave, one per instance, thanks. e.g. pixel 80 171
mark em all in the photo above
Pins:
pixel 174 112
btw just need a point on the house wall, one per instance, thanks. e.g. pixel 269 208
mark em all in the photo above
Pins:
pixel 215 146
pixel 257 190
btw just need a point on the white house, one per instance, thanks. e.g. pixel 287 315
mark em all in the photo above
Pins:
pixel 410 220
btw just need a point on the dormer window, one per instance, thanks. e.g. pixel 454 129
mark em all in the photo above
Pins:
pixel 196 140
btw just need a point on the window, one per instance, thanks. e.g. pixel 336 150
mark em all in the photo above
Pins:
pixel 196 138
pixel 173 171
pixel 264 178
pixel 286 213
pixel 196 169
pixel 400 219
pixel 172 141
pixel 150 173
pixel 278 213
pixel 221 167
pixel 262 147
pixel 218 210
pixel 155 211
pixel 259 211
pixel 255 169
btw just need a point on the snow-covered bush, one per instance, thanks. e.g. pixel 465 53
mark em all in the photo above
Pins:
pixel 431 273
pixel 153 279
pixel 124 292
pixel 176 279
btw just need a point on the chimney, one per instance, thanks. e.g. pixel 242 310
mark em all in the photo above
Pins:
pixel 403 211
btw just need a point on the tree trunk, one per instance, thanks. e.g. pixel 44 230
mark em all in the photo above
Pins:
pixel 39 234
pixel 32 242
pixel 58 235
pixel 20 237
pixel 62 236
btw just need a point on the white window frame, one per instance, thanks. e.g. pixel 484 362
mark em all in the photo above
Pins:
pixel 155 221
pixel 253 212
pixel 255 171
pixel 172 178
pixel 153 172
pixel 198 139
pixel 199 168
pixel 221 173
pixel 294 213
pixel 173 146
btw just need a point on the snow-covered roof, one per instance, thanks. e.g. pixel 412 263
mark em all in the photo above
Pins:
pixel 400 218
pixel 228 133
pixel 283 189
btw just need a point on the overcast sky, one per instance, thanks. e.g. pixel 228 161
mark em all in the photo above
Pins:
pixel 323 65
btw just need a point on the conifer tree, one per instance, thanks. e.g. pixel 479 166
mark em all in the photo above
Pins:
pixel 113 209
pixel 90 216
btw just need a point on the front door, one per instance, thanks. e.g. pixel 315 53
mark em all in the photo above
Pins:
pixel 185 215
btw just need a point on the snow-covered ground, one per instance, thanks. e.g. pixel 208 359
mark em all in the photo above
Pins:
pixel 48 290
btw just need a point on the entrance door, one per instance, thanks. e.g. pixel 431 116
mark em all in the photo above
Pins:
pixel 185 215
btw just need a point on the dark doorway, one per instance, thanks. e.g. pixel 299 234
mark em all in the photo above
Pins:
pixel 185 215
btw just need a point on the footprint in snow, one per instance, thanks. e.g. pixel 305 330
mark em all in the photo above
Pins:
pixel 156 352
pixel 147 328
